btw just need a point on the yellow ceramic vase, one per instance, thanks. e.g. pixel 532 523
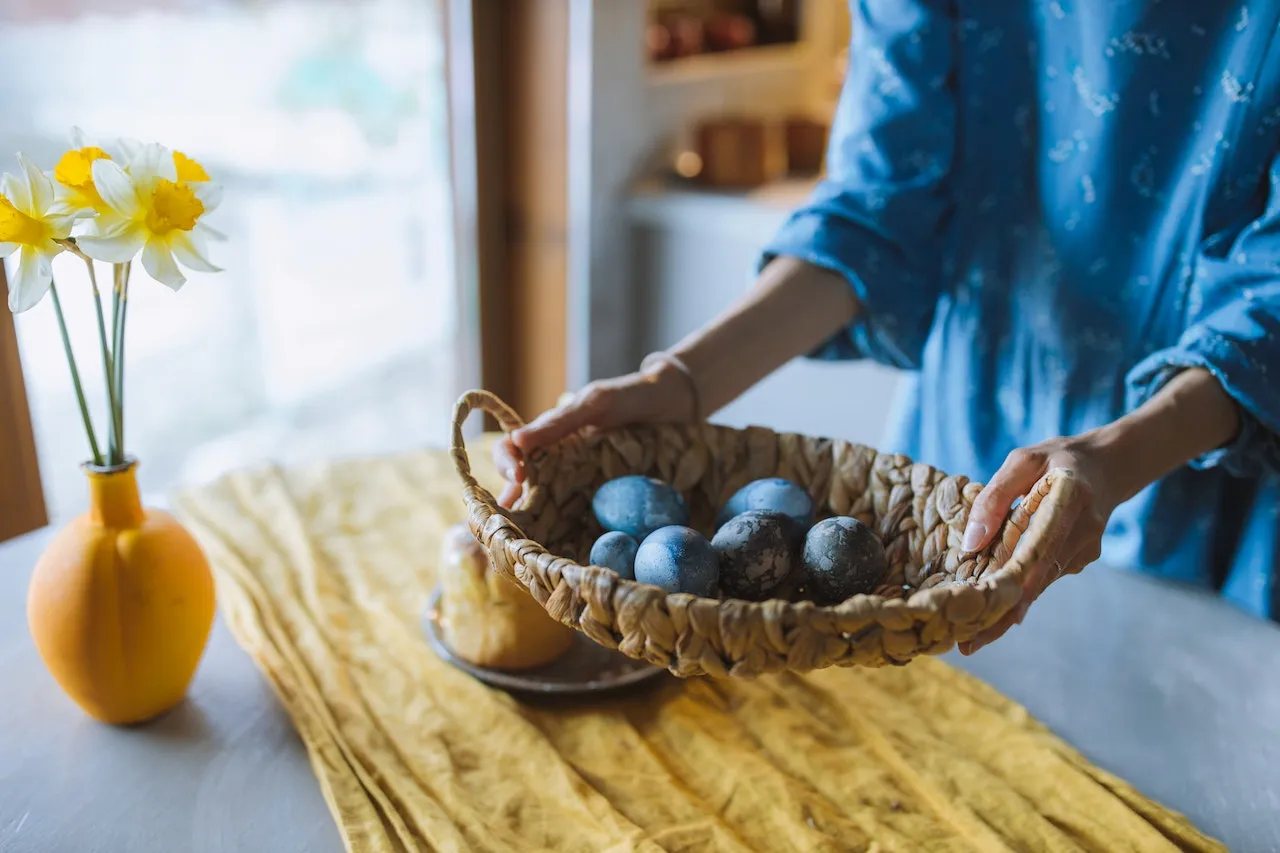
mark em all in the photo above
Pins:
pixel 121 604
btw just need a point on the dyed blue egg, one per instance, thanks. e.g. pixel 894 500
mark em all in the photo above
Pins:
pixel 637 506
pixel 772 494
pixel 678 560
pixel 842 557
pixel 616 550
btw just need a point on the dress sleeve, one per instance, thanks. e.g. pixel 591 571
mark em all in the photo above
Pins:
pixel 1234 334
pixel 876 216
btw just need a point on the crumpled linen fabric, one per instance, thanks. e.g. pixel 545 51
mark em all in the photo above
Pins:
pixel 323 575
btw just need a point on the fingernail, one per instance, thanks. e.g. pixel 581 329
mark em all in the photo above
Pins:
pixel 974 533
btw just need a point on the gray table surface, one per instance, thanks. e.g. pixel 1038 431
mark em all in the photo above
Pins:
pixel 1170 689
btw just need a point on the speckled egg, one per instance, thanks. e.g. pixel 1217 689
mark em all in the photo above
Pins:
pixel 616 550
pixel 678 559
pixel 773 494
pixel 841 558
pixel 757 551
pixel 637 506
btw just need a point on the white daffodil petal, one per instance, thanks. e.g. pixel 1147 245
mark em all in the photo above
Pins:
pixel 68 198
pixel 60 224
pixel 31 282
pixel 155 162
pixel 114 249
pixel 16 191
pixel 38 184
pixel 80 139
pixel 115 187
pixel 209 193
pixel 208 232
pixel 66 207
pixel 147 158
pixel 130 149
pixel 199 242
pixel 160 265
pixel 42 191
pixel 106 225
pixel 110 226
pixel 188 253
pixel 167 167
pixel 7 249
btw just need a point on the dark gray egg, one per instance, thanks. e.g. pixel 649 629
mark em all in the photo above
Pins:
pixel 757 551
pixel 772 494
pixel 842 558
pixel 678 559
pixel 637 506
pixel 616 550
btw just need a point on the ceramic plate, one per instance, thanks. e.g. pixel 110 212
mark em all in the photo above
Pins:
pixel 587 667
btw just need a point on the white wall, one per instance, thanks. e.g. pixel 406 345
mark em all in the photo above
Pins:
pixel 624 117
pixel 610 138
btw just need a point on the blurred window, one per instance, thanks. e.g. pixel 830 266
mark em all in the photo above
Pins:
pixel 332 330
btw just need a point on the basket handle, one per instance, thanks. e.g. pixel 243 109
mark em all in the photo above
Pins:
pixel 508 420
pixel 1034 528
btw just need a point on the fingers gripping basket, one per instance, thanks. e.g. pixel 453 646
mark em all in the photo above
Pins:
pixel 936 596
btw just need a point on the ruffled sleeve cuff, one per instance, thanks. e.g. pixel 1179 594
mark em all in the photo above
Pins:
pixel 1256 447
pixel 896 306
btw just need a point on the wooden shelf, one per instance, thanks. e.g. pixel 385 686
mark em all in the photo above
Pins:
pixel 728 65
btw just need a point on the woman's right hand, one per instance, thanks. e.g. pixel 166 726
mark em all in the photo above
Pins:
pixel 793 307
pixel 661 395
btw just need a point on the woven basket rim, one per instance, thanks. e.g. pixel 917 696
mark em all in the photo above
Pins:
pixel 1015 548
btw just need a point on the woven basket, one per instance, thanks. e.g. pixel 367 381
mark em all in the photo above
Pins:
pixel 936 595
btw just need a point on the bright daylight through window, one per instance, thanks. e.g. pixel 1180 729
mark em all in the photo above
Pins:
pixel 331 330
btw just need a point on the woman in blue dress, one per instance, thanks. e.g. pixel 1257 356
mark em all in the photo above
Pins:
pixel 1063 220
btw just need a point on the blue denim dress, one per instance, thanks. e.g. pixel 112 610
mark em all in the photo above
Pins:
pixel 1046 209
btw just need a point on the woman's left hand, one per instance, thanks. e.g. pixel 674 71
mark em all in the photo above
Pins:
pixel 1191 415
pixel 1101 484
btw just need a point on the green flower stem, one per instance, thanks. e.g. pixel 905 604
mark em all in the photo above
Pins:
pixel 114 454
pixel 75 375
pixel 115 323
pixel 122 294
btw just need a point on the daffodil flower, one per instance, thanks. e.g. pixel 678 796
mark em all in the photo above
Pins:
pixel 74 189
pixel 192 171
pixel 188 168
pixel 29 227
pixel 152 208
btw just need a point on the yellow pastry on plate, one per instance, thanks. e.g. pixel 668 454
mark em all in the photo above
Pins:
pixel 486 619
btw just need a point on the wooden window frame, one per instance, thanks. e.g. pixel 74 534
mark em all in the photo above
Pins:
pixel 22 504
pixel 508 69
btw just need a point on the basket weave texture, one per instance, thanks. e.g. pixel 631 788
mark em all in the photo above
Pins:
pixel 936 595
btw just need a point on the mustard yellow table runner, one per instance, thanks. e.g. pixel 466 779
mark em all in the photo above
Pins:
pixel 323 574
